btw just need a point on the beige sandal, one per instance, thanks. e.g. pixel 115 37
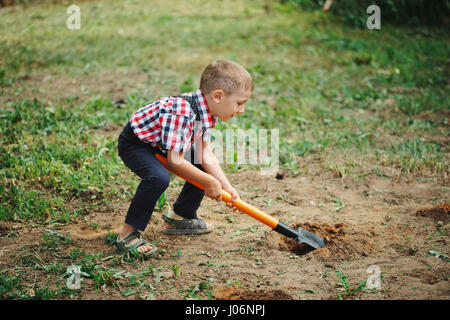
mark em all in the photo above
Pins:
pixel 123 247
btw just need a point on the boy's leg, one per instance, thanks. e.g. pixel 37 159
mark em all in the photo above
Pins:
pixel 190 196
pixel 155 180
pixel 189 200
pixel 140 158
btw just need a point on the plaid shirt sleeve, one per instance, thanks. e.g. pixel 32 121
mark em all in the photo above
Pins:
pixel 176 130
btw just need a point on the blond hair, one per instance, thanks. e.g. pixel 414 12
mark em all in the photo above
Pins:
pixel 226 75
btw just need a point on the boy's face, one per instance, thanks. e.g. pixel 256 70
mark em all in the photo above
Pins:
pixel 227 106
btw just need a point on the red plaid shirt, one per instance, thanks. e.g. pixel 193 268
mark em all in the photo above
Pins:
pixel 169 123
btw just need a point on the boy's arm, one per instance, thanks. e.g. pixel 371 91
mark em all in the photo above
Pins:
pixel 212 166
pixel 176 162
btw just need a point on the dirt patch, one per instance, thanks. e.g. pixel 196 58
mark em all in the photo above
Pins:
pixel 75 89
pixel 429 276
pixel 438 213
pixel 342 242
pixel 230 293
pixel 269 266
pixel 5 228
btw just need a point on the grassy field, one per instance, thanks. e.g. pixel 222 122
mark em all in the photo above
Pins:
pixel 349 101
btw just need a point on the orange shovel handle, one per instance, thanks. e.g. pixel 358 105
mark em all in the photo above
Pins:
pixel 226 197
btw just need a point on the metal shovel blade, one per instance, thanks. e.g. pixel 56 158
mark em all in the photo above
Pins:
pixel 302 235
pixel 310 238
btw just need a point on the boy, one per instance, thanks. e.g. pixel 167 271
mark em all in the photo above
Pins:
pixel 167 126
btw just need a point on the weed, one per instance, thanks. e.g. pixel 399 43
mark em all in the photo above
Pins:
pixel 75 253
pixel 148 270
pixel 44 294
pixel 63 290
pixel 349 291
pixel 11 287
pixel 325 273
pixel 252 229
pixel 206 264
pixel 109 238
pixel 176 270
pixel 250 249
pixel 133 256
pixel 53 239
pixel 52 267
pixel 198 291
pixel 157 275
pixel 161 203
pixel 30 259
pixel 439 255
pixel 306 291
pixel 178 253
pixel 231 219
pixel 231 283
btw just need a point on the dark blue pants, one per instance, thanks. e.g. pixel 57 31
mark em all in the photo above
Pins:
pixel 140 158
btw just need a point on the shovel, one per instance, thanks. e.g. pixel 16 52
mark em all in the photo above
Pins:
pixel 302 235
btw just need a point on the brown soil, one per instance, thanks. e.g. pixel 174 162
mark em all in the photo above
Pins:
pixel 438 213
pixel 4 228
pixel 391 224
pixel 230 293
pixel 74 89
pixel 341 242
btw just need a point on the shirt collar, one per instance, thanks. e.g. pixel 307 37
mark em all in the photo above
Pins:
pixel 207 119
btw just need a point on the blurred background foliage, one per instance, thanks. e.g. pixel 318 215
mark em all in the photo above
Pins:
pixel 398 12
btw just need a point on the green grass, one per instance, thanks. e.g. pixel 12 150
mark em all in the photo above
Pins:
pixel 352 101
pixel 11 287
pixel 50 156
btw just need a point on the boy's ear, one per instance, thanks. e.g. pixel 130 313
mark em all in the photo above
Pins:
pixel 218 95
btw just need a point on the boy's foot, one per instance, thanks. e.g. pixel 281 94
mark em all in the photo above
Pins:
pixel 133 240
pixel 180 225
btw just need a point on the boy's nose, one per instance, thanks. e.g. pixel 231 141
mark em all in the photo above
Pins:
pixel 241 109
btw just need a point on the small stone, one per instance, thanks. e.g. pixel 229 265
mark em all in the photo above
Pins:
pixel 279 175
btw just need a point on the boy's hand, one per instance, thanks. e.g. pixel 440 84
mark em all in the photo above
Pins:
pixel 214 189
pixel 234 196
